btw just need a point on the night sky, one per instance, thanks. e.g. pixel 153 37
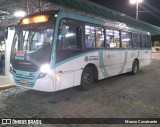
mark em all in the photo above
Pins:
pixel 151 9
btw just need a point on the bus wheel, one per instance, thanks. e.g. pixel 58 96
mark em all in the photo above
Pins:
pixel 135 67
pixel 86 79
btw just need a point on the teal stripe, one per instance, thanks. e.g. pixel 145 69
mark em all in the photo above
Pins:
pixel 19 58
pixel 75 57
pixel 102 65
pixel 124 62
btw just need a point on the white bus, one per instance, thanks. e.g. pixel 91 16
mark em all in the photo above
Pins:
pixel 55 50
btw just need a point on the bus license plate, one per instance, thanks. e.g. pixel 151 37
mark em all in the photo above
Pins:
pixel 24 82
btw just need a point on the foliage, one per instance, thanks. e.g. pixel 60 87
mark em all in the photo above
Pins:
pixel 1 43
pixel 156 43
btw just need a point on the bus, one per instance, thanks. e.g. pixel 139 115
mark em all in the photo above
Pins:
pixel 55 50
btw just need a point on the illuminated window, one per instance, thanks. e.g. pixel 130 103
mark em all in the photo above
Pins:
pixel 126 40
pixel 94 37
pixel 112 38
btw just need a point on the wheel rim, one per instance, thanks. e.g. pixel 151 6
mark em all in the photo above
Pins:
pixel 135 67
pixel 87 79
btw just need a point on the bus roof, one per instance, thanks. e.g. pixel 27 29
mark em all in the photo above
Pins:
pixel 100 11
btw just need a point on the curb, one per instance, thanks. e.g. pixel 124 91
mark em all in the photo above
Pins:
pixel 6 86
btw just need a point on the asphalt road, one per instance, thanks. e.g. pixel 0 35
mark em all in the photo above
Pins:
pixel 123 96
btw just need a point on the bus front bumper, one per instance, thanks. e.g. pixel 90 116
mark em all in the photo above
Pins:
pixel 42 84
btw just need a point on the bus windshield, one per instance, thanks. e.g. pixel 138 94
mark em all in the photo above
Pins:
pixel 32 44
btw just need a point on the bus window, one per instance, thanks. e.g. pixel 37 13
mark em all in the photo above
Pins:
pixel 90 36
pixel 34 40
pixel 136 40
pixel 99 37
pixel 71 37
pixel 126 40
pixel 149 42
pixel 94 37
pixel 32 44
pixel 109 37
pixel 116 39
pixel 112 38
pixel 145 41
pixel 69 42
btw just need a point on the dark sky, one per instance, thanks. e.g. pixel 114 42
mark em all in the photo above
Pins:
pixel 151 9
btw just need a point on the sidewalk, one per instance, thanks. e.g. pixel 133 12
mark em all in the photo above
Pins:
pixel 4 82
pixel 155 55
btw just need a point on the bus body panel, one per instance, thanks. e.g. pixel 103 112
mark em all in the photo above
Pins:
pixel 145 57
pixel 114 58
pixel 70 70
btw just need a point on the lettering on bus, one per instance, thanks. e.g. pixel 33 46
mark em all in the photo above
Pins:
pixel 90 58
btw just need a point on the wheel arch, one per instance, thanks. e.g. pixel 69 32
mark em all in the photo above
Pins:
pixel 94 68
pixel 135 67
pixel 137 60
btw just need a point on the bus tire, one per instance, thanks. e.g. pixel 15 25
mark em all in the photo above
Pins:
pixel 86 79
pixel 135 67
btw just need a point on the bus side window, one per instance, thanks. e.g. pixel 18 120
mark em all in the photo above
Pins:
pixel 71 37
pixel 109 38
pixel 99 37
pixel 136 40
pixel 126 40
pixel 89 36
pixel 94 36
pixel 145 41
pixel 69 41
pixel 112 38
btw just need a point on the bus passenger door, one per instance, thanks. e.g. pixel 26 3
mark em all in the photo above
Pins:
pixel 68 46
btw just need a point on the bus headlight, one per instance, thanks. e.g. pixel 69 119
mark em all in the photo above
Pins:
pixel 45 68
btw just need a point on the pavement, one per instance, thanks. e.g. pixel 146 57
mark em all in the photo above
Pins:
pixel 4 82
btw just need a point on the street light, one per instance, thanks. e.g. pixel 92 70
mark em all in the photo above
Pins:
pixel 136 2
pixel 19 13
